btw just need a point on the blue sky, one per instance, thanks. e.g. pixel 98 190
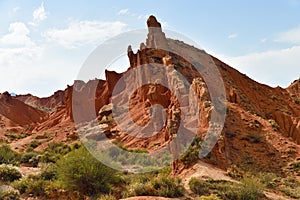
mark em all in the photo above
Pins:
pixel 44 43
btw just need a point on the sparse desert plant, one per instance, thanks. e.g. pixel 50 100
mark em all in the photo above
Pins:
pixel 210 197
pixel 291 187
pixel 154 184
pixel 249 189
pixel 59 148
pixel 54 152
pixel 199 187
pixel 191 156
pixel 269 180
pixel 26 157
pixel 49 172
pixel 16 136
pixel 168 187
pixel 296 100
pixel 9 173
pixel 34 144
pixel 7 193
pixel 274 124
pixel 107 197
pixel 32 184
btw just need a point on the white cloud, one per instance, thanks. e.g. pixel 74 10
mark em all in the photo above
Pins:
pixel 123 12
pixel 18 36
pixel 276 67
pixel 84 32
pixel 18 55
pixel 291 36
pixel 232 36
pixel 39 14
pixel 17 45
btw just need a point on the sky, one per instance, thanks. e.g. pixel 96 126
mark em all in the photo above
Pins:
pixel 43 44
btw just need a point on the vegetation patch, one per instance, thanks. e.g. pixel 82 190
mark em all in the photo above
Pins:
pixel 249 189
pixel 9 173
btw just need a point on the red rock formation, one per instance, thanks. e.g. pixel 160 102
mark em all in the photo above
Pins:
pixel 46 104
pixel 15 113
pixel 262 123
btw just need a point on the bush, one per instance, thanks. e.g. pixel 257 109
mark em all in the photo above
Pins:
pixel 49 173
pixel 106 197
pixel 9 173
pixel 7 156
pixel 34 144
pixel 250 189
pixel 191 156
pixel 34 185
pixel 199 187
pixel 168 187
pixel 210 197
pixel 8 193
pixel 269 180
pixel 55 151
pixel 59 148
pixel 80 171
pixel 25 158
pixel 147 185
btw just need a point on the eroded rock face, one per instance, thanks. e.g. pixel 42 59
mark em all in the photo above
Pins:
pixel 251 107
pixel 15 113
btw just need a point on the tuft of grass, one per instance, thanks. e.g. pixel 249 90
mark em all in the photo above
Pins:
pixel 154 184
pixel 274 124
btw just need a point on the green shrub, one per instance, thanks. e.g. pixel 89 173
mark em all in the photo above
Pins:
pixel 149 185
pixel 107 197
pixel 16 136
pixel 210 197
pixel 141 189
pixel 250 189
pixel 80 171
pixel 7 193
pixel 9 173
pixel 49 157
pixel 168 187
pixel 34 144
pixel 32 184
pixel 25 158
pixel 269 180
pixel 191 156
pixel 7 156
pixel 199 187
pixel 58 148
pixel 49 173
